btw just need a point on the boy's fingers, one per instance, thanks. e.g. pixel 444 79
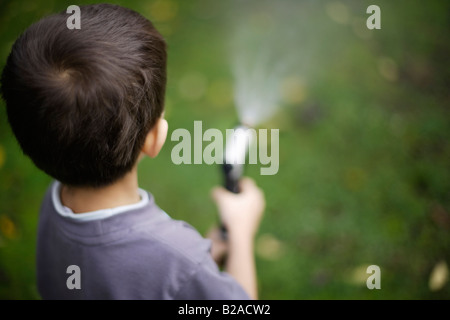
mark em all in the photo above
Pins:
pixel 247 180
pixel 217 193
pixel 213 233
pixel 247 183
pixel 216 235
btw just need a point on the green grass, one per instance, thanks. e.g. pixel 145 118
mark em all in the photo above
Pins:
pixel 364 172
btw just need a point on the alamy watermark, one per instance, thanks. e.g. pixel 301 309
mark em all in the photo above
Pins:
pixel 74 20
pixel 213 152
pixel 374 280
pixel 74 280
pixel 374 21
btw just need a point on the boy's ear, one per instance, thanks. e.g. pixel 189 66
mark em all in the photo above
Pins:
pixel 155 138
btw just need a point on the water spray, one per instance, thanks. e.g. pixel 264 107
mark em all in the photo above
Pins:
pixel 259 63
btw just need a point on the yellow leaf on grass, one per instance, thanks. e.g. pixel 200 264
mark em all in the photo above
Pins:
pixel 358 275
pixel 163 11
pixel 7 227
pixel 269 247
pixel 2 156
pixel 438 276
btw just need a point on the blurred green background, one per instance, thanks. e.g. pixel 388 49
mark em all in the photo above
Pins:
pixel 364 173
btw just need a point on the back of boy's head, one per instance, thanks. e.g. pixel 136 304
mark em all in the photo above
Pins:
pixel 81 102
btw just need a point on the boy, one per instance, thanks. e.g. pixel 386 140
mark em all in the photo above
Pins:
pixel 86 105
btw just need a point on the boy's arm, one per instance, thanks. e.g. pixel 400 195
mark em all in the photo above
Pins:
pixel 241 214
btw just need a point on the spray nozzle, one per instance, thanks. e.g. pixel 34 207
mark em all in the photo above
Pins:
pixel 236 150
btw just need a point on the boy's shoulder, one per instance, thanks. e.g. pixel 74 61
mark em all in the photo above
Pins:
pixel 142 251
pixel 141 222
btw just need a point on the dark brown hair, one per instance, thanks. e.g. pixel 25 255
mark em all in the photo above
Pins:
pixel 81 102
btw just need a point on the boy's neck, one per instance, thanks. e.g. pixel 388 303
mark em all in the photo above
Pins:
pixel 86 199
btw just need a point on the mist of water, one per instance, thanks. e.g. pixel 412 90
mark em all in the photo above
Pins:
pixel 264 51
pixel 256 83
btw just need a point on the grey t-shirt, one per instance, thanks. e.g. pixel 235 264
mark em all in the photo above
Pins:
pixel 137 253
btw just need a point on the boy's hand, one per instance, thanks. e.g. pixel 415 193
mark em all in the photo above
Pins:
pixel 240 212
pixel 219 247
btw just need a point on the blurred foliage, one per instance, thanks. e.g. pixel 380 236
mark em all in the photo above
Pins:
pixel 364 145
